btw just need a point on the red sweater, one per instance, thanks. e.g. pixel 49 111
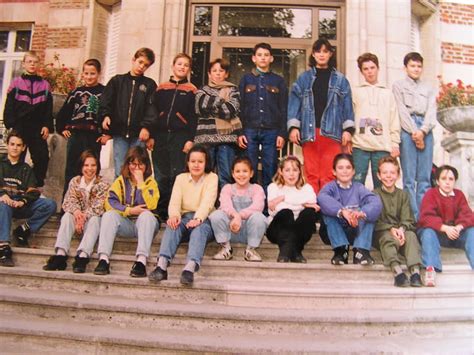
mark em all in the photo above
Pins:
pixel 437 210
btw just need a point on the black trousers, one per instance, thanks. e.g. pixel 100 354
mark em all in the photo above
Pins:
pixel 39 153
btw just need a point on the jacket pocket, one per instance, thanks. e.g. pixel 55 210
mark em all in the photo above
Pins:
pixel 272 89
pixel 250 88
pixel 408 99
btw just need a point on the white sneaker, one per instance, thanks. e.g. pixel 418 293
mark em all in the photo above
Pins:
pixel 430 276
pixel 251 254
pixel 223 254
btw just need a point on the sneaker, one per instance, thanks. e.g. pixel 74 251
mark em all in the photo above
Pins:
pixel 187 278
pixel 56 262
pixel 430 276
pixel 250 254
pixel 138 270
pixel 158 275
pixel 362 257
pixel 102 268
pixel 6 256
pixel 341 255
pixel 223 254
pixel 22 234
pixel 415 280
pixel 299 258
pixel 79 265
pixel 401 280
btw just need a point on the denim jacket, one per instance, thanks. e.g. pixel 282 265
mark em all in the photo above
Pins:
pixel 264 101
pixel 338 114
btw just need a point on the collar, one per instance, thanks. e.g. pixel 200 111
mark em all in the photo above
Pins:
pixel 178 82
pixel 258 72
pixel 412 81
pixel 33 77
pixel 378 85
pixel 386 191
pixel 190 179
pixel 344 187
pixel 445 194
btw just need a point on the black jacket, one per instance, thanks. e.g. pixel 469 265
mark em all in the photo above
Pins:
pixel 18 181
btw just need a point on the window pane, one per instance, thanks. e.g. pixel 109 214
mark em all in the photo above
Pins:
pixel 22 43
pixel 327 24
pixel 3 41
pixel 2 73
pixel 201 53
pixel 265 22
pixel 202 20
pixel 17 69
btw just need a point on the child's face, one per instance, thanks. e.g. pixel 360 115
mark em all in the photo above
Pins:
pixel 181 68
pixel 242 174
pixel 290 173
pixel 135 165
pixel 262 59
pixel 344 171
pixel 139 66
pixel 414 69
pixel 30 64
pixel 197 164
pixel 388 174
pixel 90 75
pixel 89 169
pixel 446 181
pixel 217 74
pixel 322 57
pixel 15 147
pixel 370 72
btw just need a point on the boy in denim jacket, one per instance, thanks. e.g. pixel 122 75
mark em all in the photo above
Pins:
pixel 264 98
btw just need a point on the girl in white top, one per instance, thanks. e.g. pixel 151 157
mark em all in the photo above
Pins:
pixel 292 211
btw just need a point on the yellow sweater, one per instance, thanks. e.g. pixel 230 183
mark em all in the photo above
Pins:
pixel 188 196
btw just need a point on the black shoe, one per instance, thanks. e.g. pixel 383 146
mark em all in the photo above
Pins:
pixel 401 280
pixel 103 268
pixel 6 255
pixel 187 278
pixel 362 257
pixel 341 255
pixel 282 258
pixel 158 275
pixel 299 258
pixel 22 235
pixel 138 270
pixel 56 262
pixel 79 265
pixel 415 280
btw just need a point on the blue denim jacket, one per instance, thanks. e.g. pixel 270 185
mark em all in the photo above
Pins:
pixel 338 114
pixel 264 101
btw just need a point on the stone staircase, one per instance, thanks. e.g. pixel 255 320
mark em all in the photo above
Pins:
pixel 234 306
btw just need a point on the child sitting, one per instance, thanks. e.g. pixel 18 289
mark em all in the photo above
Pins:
pixel 350 212
pixel 292 211
pixel 445 220
pixel 240 216
pixel 395 228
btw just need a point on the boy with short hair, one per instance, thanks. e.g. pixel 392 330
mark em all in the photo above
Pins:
pixel 264 100
pixel 29 111
pixel 395 228
pixel 123 105
pixel 416 103
pixel 19 198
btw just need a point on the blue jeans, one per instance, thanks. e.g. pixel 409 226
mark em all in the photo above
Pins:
pixel 262 143
pixel 361 161
pixel 222 156
pixel 37 213
pixel 121 147
pixel 416 166
pixel 341 235
pixel 67 229
pixel 431 241
pixel 197 238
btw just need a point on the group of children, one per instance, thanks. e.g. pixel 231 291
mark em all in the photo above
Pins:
pixel 230 129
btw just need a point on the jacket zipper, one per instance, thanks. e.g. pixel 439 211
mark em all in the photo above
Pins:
pixel 171 108
pixel 130 109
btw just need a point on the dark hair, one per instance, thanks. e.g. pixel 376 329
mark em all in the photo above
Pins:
pixel 389 159
pixel 414 56
pixel 243 160
pixel 262 45
pixel 199 148
pixel 94 63
pixel 145 52
pixel 444 168
pixel 224 63
pixel 367 57
pixel 317 45
pixel 140 154
pixel 342 156
pixel 183 55
pixel 278 177
pixel 16 134
pixel 88 154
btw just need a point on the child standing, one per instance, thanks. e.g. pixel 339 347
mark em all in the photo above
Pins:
pixel 78 120
pixel 130 206
pixel 350 212
pixel 416 103
pixel 240 216
pixel 292 211
pixel 377 125
pixel 173 109
pixel 445 220
pixel 264 96
pixel 123 105
pixel 193 197
pixel 29 111
pixel 395 228
pixel 218 108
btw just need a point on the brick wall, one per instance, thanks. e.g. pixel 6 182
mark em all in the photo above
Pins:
pixel 457 53
pixel 68 4
pixel 66 37
pixel 39 39
pixel 458 14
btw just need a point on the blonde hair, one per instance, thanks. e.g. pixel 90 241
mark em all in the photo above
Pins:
pixel 278 177
pixel 31 54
